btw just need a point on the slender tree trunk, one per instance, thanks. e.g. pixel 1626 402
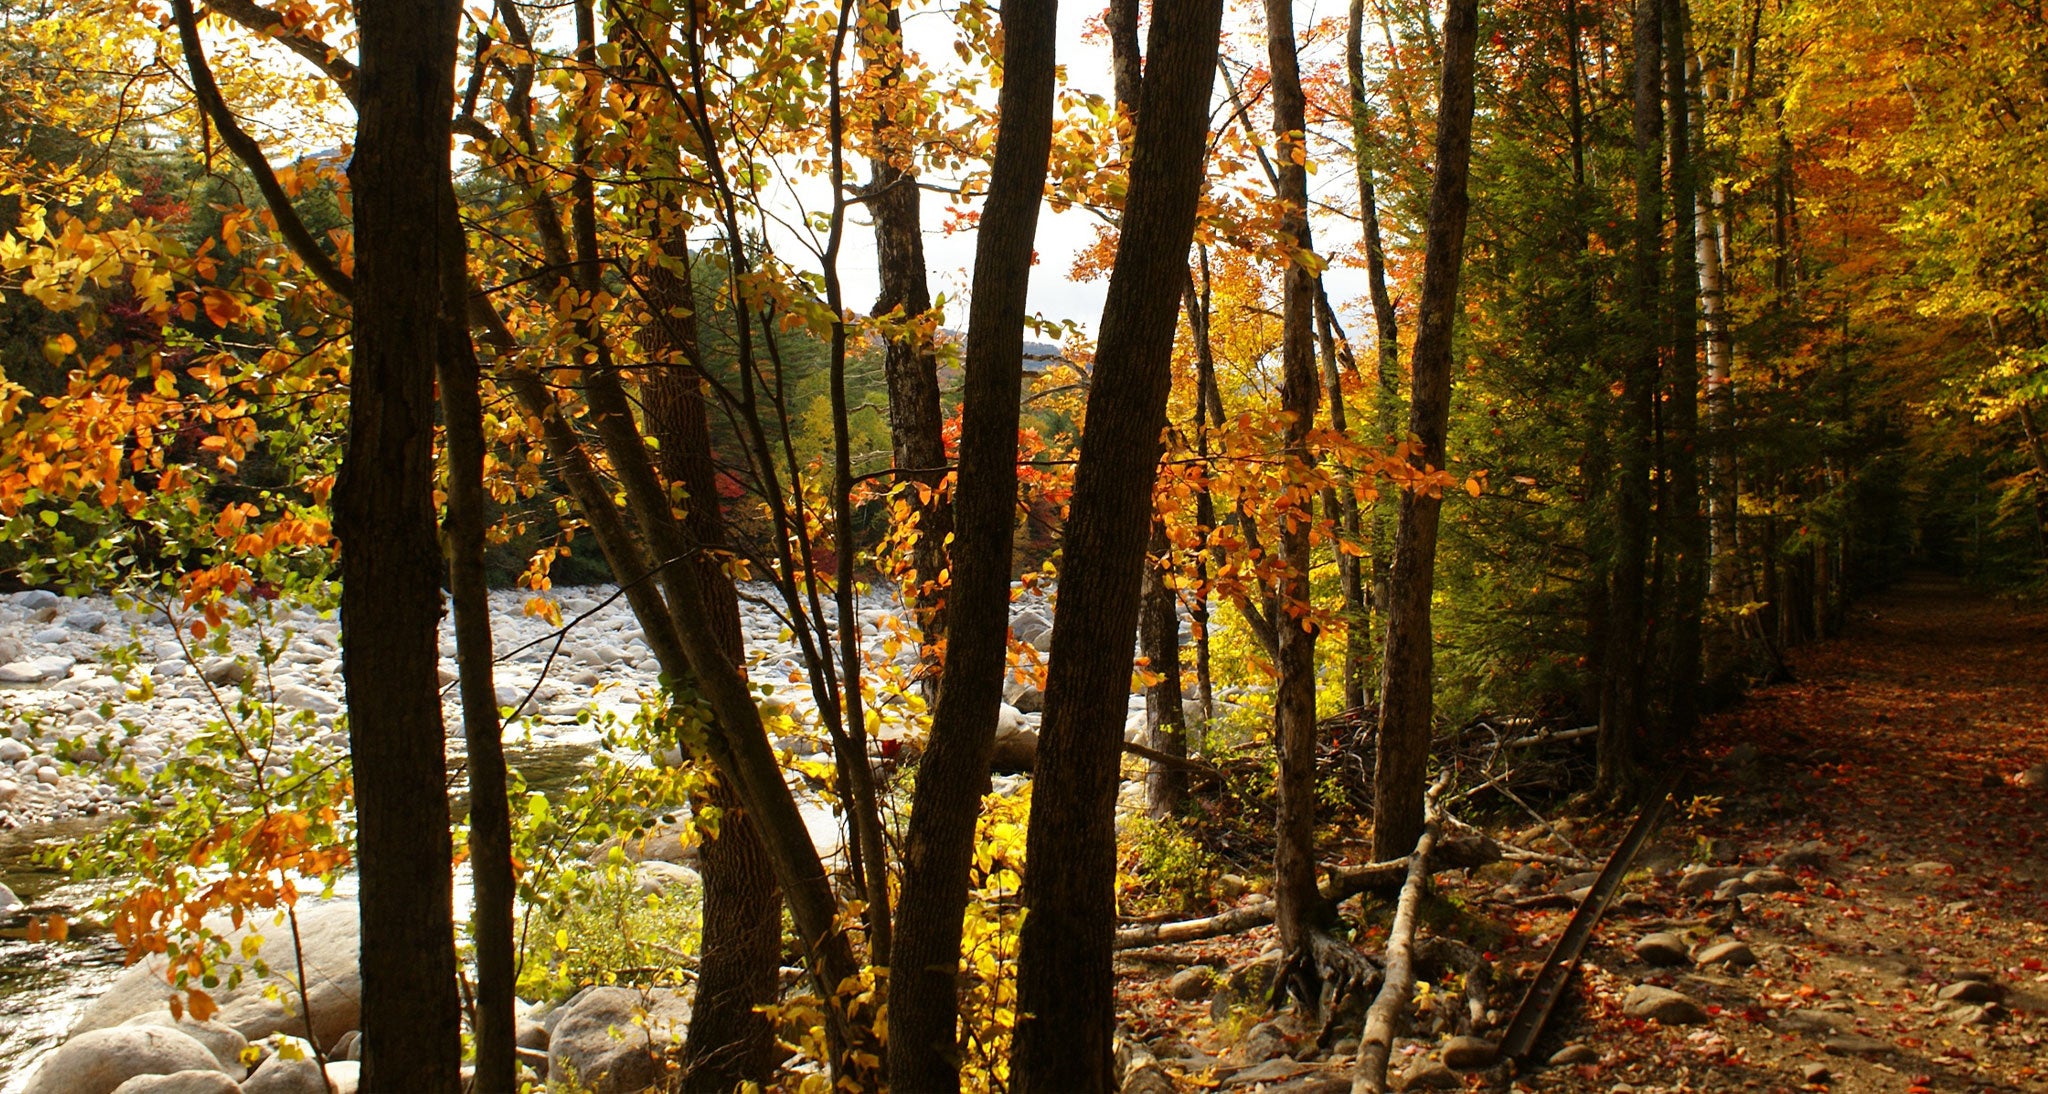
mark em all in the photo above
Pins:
pixel 1166 785
pixel 1621 699
pixel 391 562
pixel 1197 303
pixel 1340 508
pixel 490 816
pixel 1064 978
pixel 910 368
pixel 1720 392
pixel 953 775
pixel 1387 401
pixel 1688 525
pixel 1294 702
pixel 1406 696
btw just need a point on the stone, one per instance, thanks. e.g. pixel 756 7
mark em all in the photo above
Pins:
pixel 1855 1044
pixel 1574 1054
pixel 1262 1042
pixel 221 1040
pixel 9 903
pixel 1987 1014
pixel 655 877
pixel 609 1040
pixel 1025 696
pixel 1704 880
pixel 1469 1053
pixel 224 671
pixel 1191 983
pixel 1815 1073
pixel 303 1075
pixel 1806 856
pixel 9 790
pixel 329 936
pixel 1247 985
pixel 1930 868
pixel 1972 991
pixel 1427 1074
pixel 12 751
pixel 670 843
pixel 1733 889
pixel 1015 753
pixel 1770 881
pixel 180 1082
pixel 2033 778
pixel 38 670
pixel 1672 1008
pixel 35 600
pixel 99 1061
pixel 1734 954
pixel 301 697
pixel 1662 948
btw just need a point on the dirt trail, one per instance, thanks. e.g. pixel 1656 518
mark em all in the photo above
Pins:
pixel 1888 771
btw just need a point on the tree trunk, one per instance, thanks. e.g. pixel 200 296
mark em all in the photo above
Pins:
pixel 1387 404
pixel 1621 697
pixel 1720 392
pixel 490 816
pixel 1294 701
pixel 1406 701
pixel 910 368
pixel 953 775
pixel 1340 508
pixel 730 1041
pixel 391 562
pixel 1166 785
pixel 1688 527
pixel 1064 979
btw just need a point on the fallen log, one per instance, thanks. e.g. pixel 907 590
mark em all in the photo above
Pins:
pixel 1341 884
pixel 1376 1043
pixel 1548 737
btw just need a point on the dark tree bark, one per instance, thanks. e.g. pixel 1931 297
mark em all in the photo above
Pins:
pixel 1294 701
pixel 1065 1005
pixel 1621 698
pixel 391 562
pixel 911 370
pixel 1387 404
pixel 729 1040
pixel 1406 694
pixel 1688 526
pixel 490 814
pixel 1166 784
pixel 953 775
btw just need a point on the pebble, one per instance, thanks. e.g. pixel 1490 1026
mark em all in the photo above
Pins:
pixel 1815 1073
pixel 1672 1008
pixel 1972 991
pixel 1573 1055
pixel 1930 868
pixel 1469 1053
pixel 1191 983
pixel 12 751
pixel 1662 948
pixel 1737 954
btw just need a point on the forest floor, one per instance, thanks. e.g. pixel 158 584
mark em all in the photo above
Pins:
pixel 1904 949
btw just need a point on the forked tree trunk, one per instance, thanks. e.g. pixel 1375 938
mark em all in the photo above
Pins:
pixel 1294 701
pixel 1621 696
pixel 938 847
pixel 1406 700
pixel 1064 977
pixel 391 562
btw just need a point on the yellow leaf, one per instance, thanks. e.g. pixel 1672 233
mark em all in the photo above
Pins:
pixel 1473 487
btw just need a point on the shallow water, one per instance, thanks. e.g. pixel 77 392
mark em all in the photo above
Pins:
pixel 45 986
